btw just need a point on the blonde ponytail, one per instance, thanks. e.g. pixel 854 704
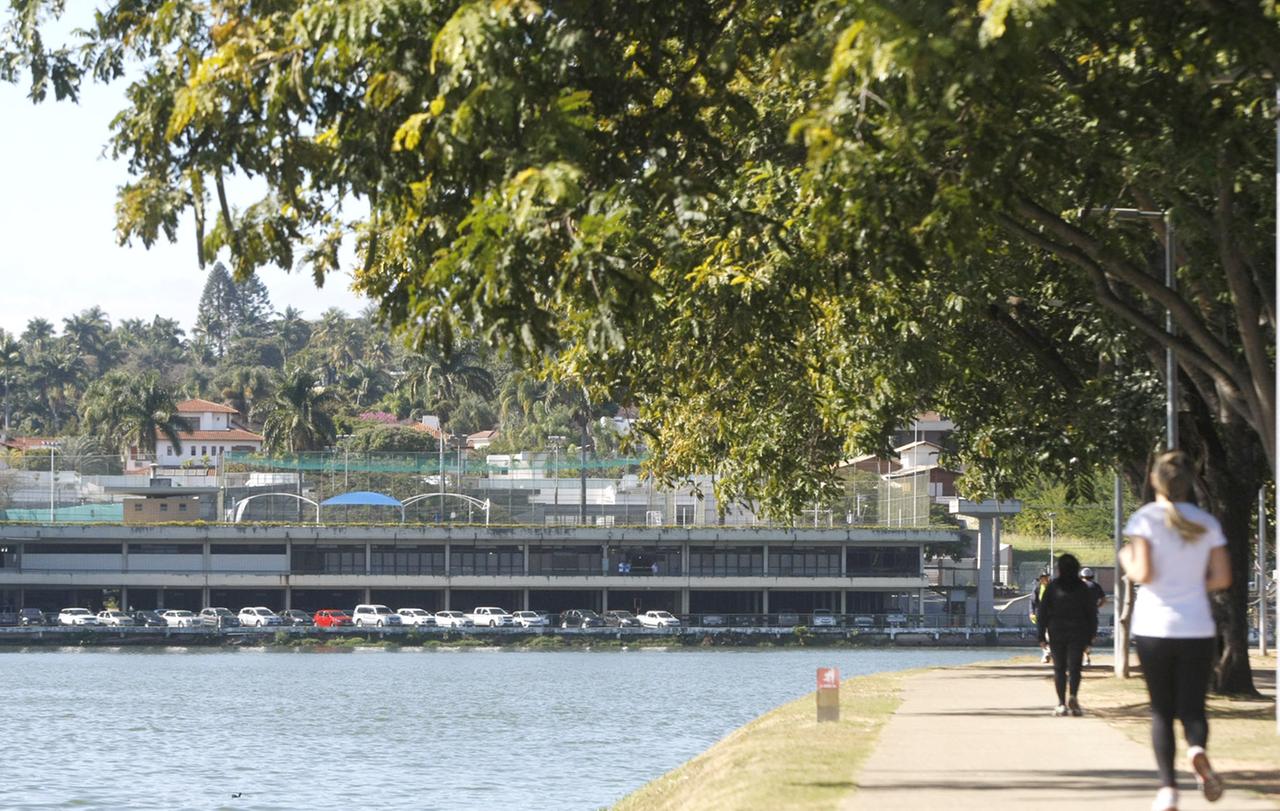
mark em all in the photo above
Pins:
pixel 1172 476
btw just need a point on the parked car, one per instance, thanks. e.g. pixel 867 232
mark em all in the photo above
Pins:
pixel 491 616
pixel 149 619
pixel 117 618
pixel 377 615
pixel 659 619
pixel 259 616
pixel 823 618
pixel 32 616
pixel 618 618
pixel 180 618
pixel 332 618
pixel 581 618
pixel 218 618
pixel 788 619
pixel 453 619
pixel 712 620
pixel 864 622
pixel 77 616
pixel 296 616
pixel 529 619
pixel 417 617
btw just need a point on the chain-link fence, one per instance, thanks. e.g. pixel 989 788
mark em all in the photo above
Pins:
pixel 453 487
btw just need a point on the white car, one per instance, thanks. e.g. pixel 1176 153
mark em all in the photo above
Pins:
pixel 658 619
pixel 178 618
pixel 417 617
pixel 823 618
pixel 377 615
pixel 258 616
pixel 114 617
pixel 453 619
pixel 529 619
pixel 77 616
pixel 491 616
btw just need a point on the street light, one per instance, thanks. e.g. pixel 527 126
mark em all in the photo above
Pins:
pixel 1170 359
pixel 1051 516
pixel 556 443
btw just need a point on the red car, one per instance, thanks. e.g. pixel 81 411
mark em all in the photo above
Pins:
pixel 332 618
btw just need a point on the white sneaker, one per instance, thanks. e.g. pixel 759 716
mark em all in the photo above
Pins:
pixel 1166 799
pixel 1044 658
pixel 1087 661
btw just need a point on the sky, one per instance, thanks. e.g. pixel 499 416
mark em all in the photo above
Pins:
pixel 58 249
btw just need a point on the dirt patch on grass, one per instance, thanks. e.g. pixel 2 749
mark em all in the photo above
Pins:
pixel 1243 741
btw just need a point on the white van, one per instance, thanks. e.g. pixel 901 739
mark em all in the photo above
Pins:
pixel 375 615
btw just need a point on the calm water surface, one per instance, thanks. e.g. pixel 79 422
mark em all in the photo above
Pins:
pixel 376 729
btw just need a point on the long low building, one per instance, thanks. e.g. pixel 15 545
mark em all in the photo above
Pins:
pixel 685 571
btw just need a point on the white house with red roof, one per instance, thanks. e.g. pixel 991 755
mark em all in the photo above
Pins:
pixel 213 430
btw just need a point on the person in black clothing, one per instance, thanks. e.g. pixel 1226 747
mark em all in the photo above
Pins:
pixel 1068 616
pixel 1099 596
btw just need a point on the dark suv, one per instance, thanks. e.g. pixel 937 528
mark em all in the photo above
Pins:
pixel 32 616
pixel 581 618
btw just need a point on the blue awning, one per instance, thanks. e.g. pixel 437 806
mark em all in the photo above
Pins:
pixel 363 498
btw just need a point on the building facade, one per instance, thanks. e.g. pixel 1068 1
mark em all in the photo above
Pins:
pixel 212 430
pixel 686 571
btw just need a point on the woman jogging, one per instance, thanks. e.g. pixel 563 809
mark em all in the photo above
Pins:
pixel 1178 553
pixel 1069 616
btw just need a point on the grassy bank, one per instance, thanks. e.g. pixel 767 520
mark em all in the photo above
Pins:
pixel 795 762
pixel 1035 548
pixel 1242 732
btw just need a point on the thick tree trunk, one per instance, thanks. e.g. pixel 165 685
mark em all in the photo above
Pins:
pixel 1234 467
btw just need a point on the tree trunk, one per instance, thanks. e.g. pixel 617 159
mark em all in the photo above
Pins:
pixel 1233 467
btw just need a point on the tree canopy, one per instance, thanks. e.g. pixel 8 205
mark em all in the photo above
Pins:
pixel 780 228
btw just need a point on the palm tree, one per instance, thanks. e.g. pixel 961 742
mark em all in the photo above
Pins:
pixel 131 411
pixel 434 378
pixel 56 373
pixel 298 416
pixel 242 385
pixel 90 333
pixel 292 330
pixel 11 365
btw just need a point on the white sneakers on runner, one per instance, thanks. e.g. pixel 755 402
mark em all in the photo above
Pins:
pixel 1166 799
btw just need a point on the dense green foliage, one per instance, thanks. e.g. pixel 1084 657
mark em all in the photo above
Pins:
pixel 780 228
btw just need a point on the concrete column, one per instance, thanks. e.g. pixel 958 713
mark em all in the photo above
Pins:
pixel 684 601
pixel 986 591
pixel 368 559
pixel 995 556
pixel 204 596
pixel 368 596
pixel 288 597
pixel 524 596
pixel 844 601
pixel 604 559
pixel 124 598
pixel 526 573
pixel 765 557
pixel 124 558
pixel 604 600
pixel 764 601
pixel 446 606
pixel 205 562
pixel 446 571
pixel 844 561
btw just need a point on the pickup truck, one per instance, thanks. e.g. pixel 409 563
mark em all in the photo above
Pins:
pixel 490 616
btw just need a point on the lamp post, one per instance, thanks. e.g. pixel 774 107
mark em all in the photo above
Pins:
pixel 1051 516
pixel 1170 359
pixel 556 442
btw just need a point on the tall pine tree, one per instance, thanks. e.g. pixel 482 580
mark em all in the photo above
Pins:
pixel 228 308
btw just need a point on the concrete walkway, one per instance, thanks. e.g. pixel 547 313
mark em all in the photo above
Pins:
pixel 983 737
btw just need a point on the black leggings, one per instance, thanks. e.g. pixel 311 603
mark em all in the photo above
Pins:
pixel 1068 655
pixel 1177 675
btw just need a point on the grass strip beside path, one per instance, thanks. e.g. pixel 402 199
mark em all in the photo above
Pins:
pixel 1243 742
pixel 784 758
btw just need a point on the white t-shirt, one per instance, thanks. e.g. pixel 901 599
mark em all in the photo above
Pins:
pixel 1175 604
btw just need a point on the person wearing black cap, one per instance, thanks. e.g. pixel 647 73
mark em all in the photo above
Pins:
pixel 1100 597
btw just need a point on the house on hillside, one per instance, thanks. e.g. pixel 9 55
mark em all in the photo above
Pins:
pixel 212 430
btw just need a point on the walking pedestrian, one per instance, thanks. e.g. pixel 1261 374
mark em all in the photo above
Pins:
pixel 1069 616
pixel 1037 593
pixel 1178 553
pixel 1100 596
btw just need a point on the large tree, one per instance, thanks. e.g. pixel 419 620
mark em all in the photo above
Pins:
pixel 780 227
pixel 131 412
pixel 299 414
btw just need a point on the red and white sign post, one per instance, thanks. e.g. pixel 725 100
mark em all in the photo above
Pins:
pixel 828 694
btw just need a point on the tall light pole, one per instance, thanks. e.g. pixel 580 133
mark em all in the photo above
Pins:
pixel 556 442
pixel 1170 282
pixel 1051 516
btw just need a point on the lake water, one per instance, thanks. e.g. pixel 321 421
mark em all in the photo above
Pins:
pixel 413 729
